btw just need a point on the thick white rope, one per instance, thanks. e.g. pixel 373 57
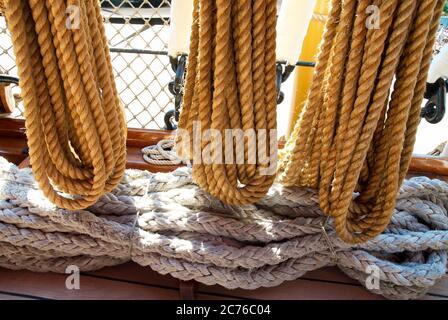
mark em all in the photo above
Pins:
pixel 182 231
pixel 162 154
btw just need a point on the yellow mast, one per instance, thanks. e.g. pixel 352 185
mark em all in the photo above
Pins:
pixel 304 75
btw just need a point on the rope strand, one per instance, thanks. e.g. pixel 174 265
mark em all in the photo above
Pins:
pixel 75 124
pixel 354 135
pixel 230 84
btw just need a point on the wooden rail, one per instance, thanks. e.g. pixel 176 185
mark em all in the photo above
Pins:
pixel 14 148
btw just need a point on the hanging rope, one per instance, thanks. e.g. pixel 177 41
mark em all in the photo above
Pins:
pixel 74 120
pixel 230 84
pixel 351 137
pixel 166 222
pixel 354 135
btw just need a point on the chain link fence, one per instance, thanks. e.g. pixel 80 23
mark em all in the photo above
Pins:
pixel 138 32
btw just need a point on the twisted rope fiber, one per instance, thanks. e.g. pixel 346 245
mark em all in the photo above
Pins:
pixel 351 137
pixel 74 120
pixel 185 232
pixel 230 84
pixel 165 220
pixel 161 154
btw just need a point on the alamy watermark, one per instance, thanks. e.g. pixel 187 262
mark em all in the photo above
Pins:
pixel 374 278
pixel 73 281
pixel 73 17
pixel 374 17
pixel 231 146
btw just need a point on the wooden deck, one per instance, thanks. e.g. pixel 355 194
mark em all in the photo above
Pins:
pixel 132 282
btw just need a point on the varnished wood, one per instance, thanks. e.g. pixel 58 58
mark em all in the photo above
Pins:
pixel 25 163
pixel 141 138
pixel 187 290
pixel 13 144
pixel 130 281
pixel 13 149
pixel 52 286
pixel 12 140
pixel 332 278
pixel 12 126
pixel 427 164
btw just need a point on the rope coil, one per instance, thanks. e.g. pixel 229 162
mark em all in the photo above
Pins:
pixel 230 84
pixel 74 120
pixel 354 135
pixel 351 139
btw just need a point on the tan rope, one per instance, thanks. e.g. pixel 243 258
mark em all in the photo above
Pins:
pixel 230 84
pixel 75 123
pixel 351 137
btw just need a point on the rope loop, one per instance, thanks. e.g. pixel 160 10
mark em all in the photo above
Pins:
pixel 354 139
pixel 74 119
pixel 230 85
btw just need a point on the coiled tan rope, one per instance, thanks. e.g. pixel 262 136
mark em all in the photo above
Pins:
pixel 185 232
pixel 74 120
pixel 354 136
pixel 351 137
pixel 230 84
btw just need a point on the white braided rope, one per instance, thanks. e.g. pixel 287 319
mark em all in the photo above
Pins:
pixel 184 232
pixel 161 154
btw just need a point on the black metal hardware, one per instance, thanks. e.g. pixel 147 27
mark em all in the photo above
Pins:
pixel 176 87
pixel 139 51
pixel 283 73
pixel 308 64
pixel 178 65
pixel 169 120
pixel 434 110
pixel 4 78
pixel 7 80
